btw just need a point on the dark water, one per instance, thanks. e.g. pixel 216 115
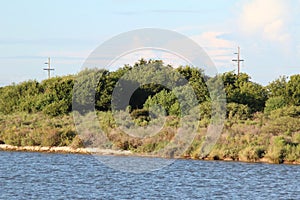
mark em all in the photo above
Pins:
pixel 64 176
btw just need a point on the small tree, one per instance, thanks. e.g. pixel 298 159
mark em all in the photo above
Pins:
pixel 274 103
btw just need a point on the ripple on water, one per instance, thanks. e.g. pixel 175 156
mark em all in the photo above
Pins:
pixel 26 175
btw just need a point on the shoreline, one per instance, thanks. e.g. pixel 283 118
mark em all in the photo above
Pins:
pixel 63 149
pixel 90 151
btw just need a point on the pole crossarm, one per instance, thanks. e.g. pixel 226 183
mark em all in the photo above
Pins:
pixel 49 69
pixel 238 60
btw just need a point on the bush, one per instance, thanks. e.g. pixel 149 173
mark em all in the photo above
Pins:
pixel 77 142
pixel 205 110
pixel 140 116
pixel 231 152
pixel 28 141
pixel 276 150
pixel 252 153
pixel 292 152
pixel 66 137
pixel 281 125
pixel 56 108
pixel 50 139
pixel 165 99
pixel 12 138
pixel 290 111
pixel 237 111
pixel 274 103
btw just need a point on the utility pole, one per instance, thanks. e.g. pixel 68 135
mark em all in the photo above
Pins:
pixel 49 68
pixel 238 60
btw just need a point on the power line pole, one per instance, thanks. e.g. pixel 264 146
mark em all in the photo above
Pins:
pixel 238 60
pixel 49 69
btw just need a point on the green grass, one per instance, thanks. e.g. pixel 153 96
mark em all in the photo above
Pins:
pixel 278 139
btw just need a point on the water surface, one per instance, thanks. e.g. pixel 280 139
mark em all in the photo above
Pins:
pixel 26 175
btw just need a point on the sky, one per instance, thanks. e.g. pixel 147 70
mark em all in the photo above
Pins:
pixel 267 32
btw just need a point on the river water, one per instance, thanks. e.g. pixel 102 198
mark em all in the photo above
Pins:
pixel 26 175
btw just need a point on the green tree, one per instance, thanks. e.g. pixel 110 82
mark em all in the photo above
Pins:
pixel 197 79
pixel 239 89
pixel 274 103
pixel 56 98
pixel 84 96
pixel 293 90
pixel 9 99
pixel 237 111
pixel 166 100
pixel 277 87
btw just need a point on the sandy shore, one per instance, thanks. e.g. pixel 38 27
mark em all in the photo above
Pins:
pixel 6 147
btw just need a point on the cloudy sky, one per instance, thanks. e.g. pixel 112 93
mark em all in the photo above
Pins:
pixel 268 32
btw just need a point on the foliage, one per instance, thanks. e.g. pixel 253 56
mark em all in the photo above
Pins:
pixel 274 103
pixel 197 80
pixel 237 111
pixel 239 89
pixel 262 122
pixel 165 99
pixel 277 87
pixel 53 96
pixel 276 151
pixel 252 153
pixel 293 90
pixel 290 111
pixel 22 129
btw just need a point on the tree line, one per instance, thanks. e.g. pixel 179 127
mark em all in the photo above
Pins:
pixel 262 121
pixel 244 97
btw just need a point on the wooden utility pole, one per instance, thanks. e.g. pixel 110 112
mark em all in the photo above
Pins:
pixel 49 69
pixel 238 60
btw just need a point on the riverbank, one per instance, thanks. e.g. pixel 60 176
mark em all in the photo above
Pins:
pixel 70 150
pixel 64 149
pixel 261 160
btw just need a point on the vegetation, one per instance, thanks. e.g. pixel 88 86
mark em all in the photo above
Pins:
pixel 261 122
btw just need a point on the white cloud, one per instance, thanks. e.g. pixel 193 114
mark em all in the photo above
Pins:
pixel 208 39
pixel 273 31
pixel 267 32
pixel 266 18
pixel 218 49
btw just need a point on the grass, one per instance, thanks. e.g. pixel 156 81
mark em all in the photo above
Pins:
pixel 277 140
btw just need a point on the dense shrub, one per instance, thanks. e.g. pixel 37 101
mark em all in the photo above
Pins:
pixel 292 152
pixel 293 90
pixel 252 153
pixel 276 151
pixel 237 111
pixel 22 129
pixel 274 103
pixel 239 89
pixel 289 111
pixel 56 108
pixel 261 121
pixel 281 125
pixel 77 142
pixel 164 100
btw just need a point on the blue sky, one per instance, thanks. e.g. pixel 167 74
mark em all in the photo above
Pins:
pixel 267 31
